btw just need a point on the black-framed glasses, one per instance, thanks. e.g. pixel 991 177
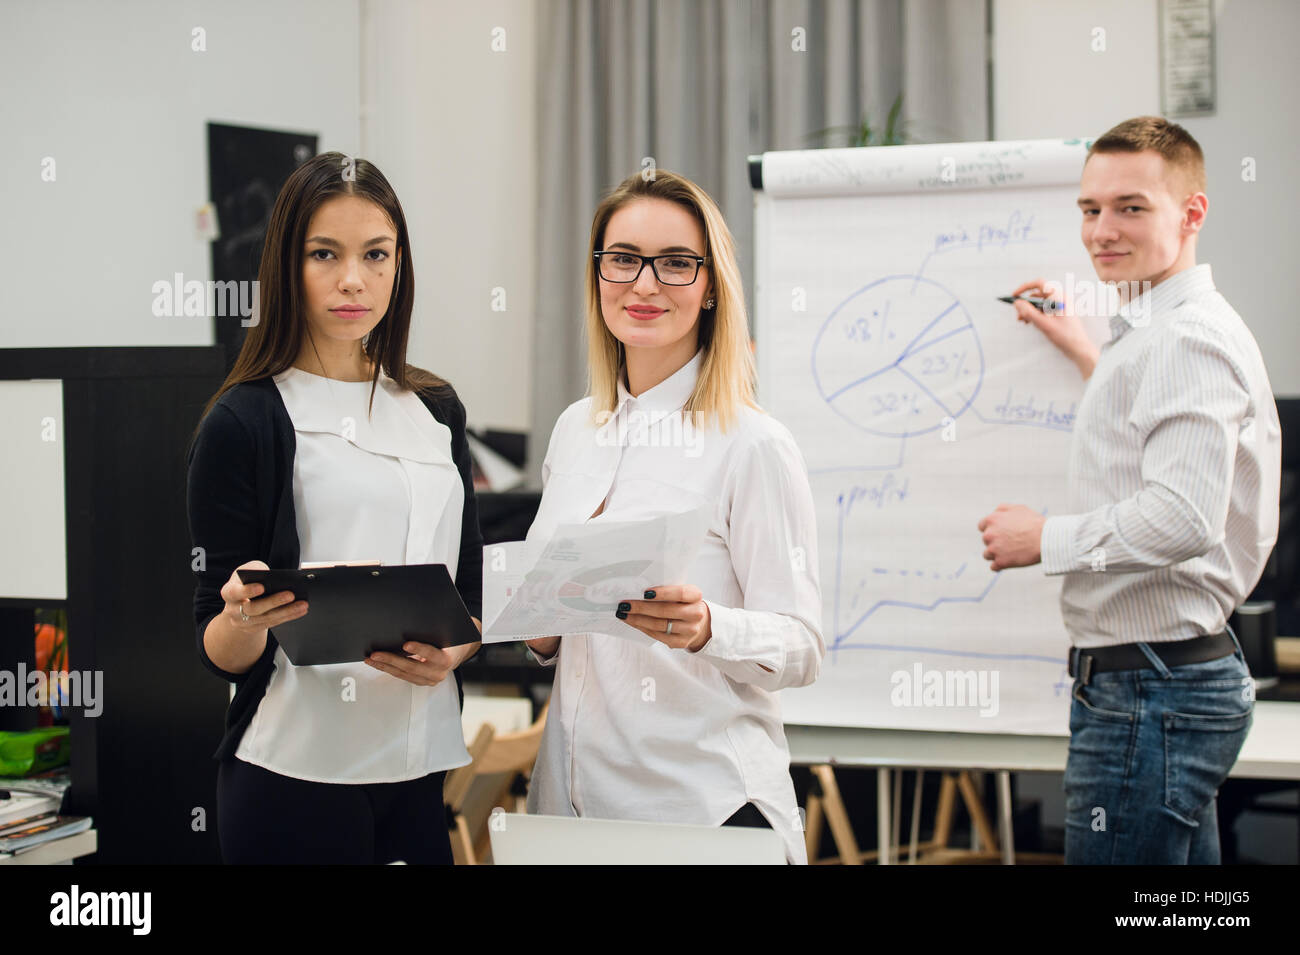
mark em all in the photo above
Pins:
pixel 673 268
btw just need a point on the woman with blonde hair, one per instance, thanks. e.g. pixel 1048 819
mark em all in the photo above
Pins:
pixel 681 722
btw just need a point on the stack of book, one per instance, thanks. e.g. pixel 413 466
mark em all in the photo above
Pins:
pixel 30 818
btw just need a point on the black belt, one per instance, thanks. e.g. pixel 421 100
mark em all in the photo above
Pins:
pixel 1128 656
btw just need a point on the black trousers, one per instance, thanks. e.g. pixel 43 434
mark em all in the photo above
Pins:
pixel 748 815
pixel 266 818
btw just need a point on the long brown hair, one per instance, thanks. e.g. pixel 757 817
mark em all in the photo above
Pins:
pixel 274 342
pixel 726 378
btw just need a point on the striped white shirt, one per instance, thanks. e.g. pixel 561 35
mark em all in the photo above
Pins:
pixel 1174 473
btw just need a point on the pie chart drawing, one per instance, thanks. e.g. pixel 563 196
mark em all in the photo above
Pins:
pixel 899 357
pixel 595 589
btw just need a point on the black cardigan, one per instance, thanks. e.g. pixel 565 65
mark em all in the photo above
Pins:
pixel 240 501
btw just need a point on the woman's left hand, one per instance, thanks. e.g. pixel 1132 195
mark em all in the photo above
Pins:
pixel 680 608
pixel 426 666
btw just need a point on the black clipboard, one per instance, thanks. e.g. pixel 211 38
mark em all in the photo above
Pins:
pixel 355 611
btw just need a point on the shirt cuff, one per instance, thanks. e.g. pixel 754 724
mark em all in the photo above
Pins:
pixel 732 640
pixel 550 661
pixel 1057 544
pixel 721 626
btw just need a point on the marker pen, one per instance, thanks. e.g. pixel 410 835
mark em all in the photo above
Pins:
pixel 1044 305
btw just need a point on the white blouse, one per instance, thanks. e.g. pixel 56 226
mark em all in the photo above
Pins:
pixel 365 487
pixel 638 730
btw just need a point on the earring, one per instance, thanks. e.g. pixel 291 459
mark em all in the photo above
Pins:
pixel 708 303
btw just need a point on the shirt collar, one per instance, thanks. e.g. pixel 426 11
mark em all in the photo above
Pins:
pixel 342 408
pixel 1168 295
pixel 663 399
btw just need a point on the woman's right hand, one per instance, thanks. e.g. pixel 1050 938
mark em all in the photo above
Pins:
pixel 544 646
pixel 262 612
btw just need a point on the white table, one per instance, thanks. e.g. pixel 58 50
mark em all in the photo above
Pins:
pixel 1271 751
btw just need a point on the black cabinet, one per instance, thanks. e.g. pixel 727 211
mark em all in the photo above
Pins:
pixel 143 767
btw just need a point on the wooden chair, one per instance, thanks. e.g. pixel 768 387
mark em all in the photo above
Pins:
pixel 510 755
pixel 826 805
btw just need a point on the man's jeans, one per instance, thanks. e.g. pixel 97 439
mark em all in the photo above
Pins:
pixel 1148 751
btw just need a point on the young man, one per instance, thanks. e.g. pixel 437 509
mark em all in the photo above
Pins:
pixel 1173 487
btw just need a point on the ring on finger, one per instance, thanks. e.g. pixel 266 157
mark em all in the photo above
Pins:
pixel 242 615
pixel 669 628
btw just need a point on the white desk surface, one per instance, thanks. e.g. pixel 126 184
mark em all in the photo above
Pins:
pixel 1271 750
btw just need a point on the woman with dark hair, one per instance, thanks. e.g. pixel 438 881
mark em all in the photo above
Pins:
pixel 323 445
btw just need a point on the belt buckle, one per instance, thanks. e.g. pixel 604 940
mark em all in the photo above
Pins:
pixel 1081 666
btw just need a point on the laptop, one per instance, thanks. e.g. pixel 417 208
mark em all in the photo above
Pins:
pixel 521 839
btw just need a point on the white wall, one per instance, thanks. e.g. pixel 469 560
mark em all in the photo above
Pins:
pixel 114 93
pixel 452 124
pixel 34 562
pixel 1047 82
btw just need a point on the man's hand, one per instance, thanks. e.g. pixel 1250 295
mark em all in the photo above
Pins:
pixel 1013 536
pixel 1061 327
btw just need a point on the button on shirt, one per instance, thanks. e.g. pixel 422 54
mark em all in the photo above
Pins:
pixel 638 730
pixel 366 486
pixel 1174 473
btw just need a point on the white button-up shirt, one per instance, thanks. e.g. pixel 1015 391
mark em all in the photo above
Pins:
pixel 1174 473
pixel 638 730
pixel 365 487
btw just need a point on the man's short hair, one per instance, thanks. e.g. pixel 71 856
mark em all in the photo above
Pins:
pixel 1181 153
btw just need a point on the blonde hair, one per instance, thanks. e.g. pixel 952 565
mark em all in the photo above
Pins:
pixel 726 379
